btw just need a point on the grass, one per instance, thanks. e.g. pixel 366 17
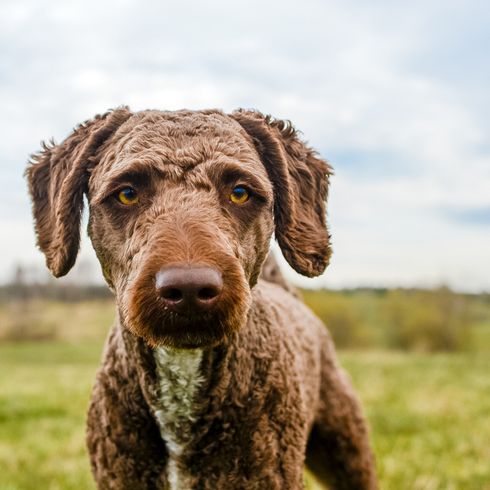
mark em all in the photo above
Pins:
pixel 428 412
pixel 44 392
pixel 429 417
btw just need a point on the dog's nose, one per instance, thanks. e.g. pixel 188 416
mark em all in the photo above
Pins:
pixel 189 289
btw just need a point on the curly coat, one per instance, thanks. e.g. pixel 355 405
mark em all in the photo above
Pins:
pixel 242 395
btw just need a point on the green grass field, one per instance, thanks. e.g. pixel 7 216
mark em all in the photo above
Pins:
pixel 429 413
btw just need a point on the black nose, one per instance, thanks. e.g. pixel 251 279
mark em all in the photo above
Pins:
pixel 191 289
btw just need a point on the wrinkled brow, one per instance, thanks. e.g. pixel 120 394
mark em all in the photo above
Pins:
pixel 133 173
pixel 235 174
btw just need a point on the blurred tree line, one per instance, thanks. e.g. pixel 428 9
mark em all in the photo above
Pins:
pixel 407 319
pixel 30 283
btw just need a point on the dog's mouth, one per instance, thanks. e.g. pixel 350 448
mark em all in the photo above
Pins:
pixel 166 319
pixel 189 331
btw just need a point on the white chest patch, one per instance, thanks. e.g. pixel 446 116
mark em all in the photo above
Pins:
pixel 179 378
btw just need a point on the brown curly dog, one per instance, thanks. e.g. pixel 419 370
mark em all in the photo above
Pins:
pixel 212 378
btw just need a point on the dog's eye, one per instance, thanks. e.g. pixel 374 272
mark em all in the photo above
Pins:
pixel 239 195
pixel 128 196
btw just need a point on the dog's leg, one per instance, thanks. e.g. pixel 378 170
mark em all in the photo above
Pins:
pixel 338 451
pixel 126 450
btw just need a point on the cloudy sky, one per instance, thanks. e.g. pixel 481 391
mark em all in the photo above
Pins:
pixel 395 94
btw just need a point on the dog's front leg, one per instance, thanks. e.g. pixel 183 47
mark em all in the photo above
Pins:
pixel 126 450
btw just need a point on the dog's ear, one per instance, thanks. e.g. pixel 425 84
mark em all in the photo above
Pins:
pixel 57 177
pixel 300 180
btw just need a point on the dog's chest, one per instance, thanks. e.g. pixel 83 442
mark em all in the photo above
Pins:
pixel 179 379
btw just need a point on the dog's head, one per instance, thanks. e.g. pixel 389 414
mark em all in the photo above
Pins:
pixel 182 208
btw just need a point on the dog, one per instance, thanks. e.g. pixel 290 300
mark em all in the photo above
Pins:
pixel 213 377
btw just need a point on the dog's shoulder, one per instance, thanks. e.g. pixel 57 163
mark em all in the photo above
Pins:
pixel 274 305
pixel 266 293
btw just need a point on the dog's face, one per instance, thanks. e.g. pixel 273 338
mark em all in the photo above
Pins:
pixel 182 208
pixel 181 199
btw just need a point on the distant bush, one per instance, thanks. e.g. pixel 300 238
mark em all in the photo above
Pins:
pixel 435 320
pixel 340 314
pixel 424 320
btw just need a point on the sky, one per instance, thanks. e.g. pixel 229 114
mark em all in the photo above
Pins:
pixel 394 94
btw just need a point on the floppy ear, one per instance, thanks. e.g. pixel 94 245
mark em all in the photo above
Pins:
pixel 300 180
pixel 57 178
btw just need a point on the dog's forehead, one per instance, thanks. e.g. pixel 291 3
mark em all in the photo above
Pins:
pixel 181 138
pixel 180 126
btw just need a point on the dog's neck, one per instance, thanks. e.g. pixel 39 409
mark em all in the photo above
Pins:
pixel 179 378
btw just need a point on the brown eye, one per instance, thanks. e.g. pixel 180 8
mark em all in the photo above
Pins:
pixel 239 195
pixel 128 196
